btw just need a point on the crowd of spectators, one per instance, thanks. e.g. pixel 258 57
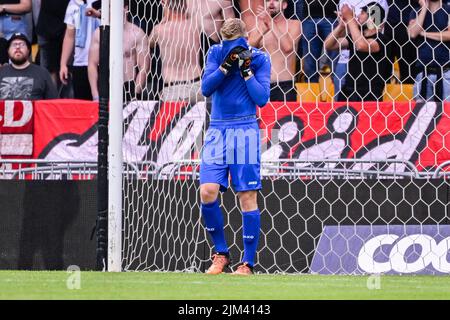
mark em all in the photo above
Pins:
pixel 356 42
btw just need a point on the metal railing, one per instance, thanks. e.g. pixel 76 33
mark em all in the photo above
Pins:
pixel 294 169
pixel 189 169
pixel 438 172
pixel 40 169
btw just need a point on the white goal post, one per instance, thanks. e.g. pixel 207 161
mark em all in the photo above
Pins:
pixel 115 157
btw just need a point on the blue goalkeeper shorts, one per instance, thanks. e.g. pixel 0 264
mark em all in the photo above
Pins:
pixel 232 148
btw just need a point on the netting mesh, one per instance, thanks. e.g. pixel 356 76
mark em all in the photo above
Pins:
pixel 350 137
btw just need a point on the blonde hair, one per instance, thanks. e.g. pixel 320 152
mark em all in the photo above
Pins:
pixel 233 28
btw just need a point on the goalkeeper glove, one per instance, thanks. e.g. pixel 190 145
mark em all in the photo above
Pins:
pixel 245 59
pixel 231 59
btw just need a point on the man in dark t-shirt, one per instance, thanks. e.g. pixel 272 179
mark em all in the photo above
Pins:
pixel 368 72
pixel 401 47
pixel 23 80
pixel 429 28
pixel 369 67
pixel 50 30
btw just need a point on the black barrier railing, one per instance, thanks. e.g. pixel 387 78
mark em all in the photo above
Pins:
pixel 47 225
pixel 102 148
pixel 320 168
pixel 164 233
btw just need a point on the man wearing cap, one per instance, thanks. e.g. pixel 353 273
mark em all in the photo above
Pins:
pixel 21 79
pixel 369 67
pixel 341 67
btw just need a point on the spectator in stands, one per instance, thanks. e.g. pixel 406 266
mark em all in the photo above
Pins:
pixel 318 19
pixel 136 62
pixel 178 38
pixel 247 10
pixel 13 17
pixel 23 80
pixel 279 37
pixel 401 48
pixel 78 35
pixel 341 67
pixel 50 30
pixel 369 67
pixel 430 29
pixel 210 16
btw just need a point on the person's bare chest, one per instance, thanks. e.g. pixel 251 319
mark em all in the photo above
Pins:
pixel 178 35
pixel 271 40
pixel 207 9
pixel 129 44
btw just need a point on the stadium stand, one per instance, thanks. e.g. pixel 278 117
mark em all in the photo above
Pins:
pixel 319 89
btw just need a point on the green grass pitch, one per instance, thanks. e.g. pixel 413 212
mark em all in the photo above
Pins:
pixel 192 286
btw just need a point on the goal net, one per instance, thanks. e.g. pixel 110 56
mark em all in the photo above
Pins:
pixel 353 174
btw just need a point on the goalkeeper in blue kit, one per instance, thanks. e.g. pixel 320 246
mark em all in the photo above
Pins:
pixel 237 77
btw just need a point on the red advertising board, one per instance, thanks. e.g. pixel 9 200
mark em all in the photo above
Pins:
pixel 67 130
pixel 16 128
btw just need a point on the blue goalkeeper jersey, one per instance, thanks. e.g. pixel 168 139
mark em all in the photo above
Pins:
pixel 232 96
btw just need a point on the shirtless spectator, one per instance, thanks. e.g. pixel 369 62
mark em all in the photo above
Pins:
pixel 209 15
pixel 279 37
pixel 136 53
pixel 178 38
pixel 248 10
pixel 212 14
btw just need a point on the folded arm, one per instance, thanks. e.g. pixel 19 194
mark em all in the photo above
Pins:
pixel 443 36
pixel 415 26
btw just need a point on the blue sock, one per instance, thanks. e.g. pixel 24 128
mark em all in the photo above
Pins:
pixel 251 224
pixel 212 215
